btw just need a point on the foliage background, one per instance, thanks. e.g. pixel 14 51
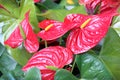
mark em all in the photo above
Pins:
pixel 100 63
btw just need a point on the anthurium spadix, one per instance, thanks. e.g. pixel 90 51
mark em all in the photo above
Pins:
pixel 56 56
pixel 23 33
pixel 88 30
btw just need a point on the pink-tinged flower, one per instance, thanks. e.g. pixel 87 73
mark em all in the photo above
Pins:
pixel 23 33
pixel 53 29
pixel 35 1
pixel 88 31
pixel 104 5
pixel 56 56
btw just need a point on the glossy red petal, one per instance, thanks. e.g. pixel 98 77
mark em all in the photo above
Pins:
pixel 31 43
pixel 52 56
pixel 105 5
pixel 15 39
pixel 35 1
pixel 43 24
pixel 108 5
pixel 73 20
pixel 57 30
pixel 81 40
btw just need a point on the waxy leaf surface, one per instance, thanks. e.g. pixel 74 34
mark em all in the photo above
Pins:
pixel 103 66
pixel 64 75
pixel 33 74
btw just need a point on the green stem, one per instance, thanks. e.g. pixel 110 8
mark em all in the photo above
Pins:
pixel 46 44
pixel 73 64
pixel 38 14
pixel 22 32
pixel 60 41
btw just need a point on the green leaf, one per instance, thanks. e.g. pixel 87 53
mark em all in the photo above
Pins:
pixel 63 74
pixel 106 65
pixel 110 53
pixel 33 74
pixel 91 67
pixel 6 60
pixel 7 76
pixel 17 73
pixel 10 6
pixel 8 23
pixel 50 4
pixel 19 54
pixel 116 24
pixel 2 49
pixel 60 14
pixel 52 68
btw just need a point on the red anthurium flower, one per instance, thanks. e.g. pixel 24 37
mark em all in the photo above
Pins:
pixel 88 32
pixel 35 1
pixel 104 5
pixel 53 29
pixel 56 56
pixel 24 33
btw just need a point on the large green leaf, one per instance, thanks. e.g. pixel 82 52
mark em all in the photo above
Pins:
pixel 33 74
pixel 63 74
pixel 60 14
pixel 91 67
pixel 50 4
pixel 7 76
pixel 2 49
pixel 16 74
pixel 6 61
pixel 8 22
pixel 19 54
pixel 110 53
pixel 106 65
pixel 10 6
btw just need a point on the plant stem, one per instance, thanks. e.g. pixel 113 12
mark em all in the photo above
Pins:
pixel 73 64
pixel 46 44
pixel 60 41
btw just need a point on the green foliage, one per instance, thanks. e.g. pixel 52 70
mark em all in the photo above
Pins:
pixel 33 74
pixel 104 66
pixel 91 67
pixel 6 60
pixel 59 14
pixel 19 54
pixel 110 53
pixel 63 74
